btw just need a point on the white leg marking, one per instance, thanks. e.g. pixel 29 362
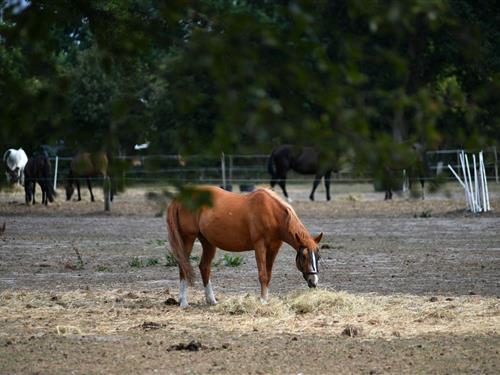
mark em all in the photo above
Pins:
pixel 209 294
pixel 264 295
pixel 183 294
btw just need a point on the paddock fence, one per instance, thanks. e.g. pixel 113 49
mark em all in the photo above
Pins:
pixel 250 169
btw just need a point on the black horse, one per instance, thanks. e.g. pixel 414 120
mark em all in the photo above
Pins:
pixel 303 160
pixel 415 167
pixel 38 170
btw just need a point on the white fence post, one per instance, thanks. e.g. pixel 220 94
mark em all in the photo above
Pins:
pixel 55 172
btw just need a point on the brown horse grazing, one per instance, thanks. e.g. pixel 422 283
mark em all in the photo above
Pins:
pixel 258 221
pixel 86 165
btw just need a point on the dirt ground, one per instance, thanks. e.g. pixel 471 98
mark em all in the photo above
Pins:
pixel 407 286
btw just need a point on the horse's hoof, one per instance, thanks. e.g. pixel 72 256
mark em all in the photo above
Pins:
pixel 212 302
pixel 184 305
pixel 263 301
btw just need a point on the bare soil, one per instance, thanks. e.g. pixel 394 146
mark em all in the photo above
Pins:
pixel 86 291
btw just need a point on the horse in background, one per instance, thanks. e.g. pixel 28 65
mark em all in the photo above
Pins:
pixel 416 167
pixel 38 170
pixel 303 160
pixel 15 162
pixel 259 221
pixel 87 166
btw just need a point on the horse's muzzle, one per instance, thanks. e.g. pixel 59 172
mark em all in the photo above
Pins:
pixel 312 280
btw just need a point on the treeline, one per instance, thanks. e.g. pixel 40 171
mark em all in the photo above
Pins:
pixel 357 77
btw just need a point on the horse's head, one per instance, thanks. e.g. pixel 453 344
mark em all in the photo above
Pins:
pixel 307 259
pixel 13 175
pixel 68 186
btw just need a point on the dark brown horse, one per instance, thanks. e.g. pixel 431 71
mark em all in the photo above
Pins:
pixel 38 170
pixel 412 166
pixel 304 160
pixel 258 221
pixel 86 166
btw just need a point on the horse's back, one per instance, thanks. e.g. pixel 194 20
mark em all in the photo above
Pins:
pixel 235 222
pixel 88 164
pixel 15 158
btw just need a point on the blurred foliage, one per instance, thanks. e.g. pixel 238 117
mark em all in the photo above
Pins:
pixel 361 79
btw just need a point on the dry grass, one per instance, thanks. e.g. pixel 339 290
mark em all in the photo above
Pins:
pixel 319 312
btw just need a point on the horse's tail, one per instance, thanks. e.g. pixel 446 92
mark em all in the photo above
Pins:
pixel 176 242
pixel 270 165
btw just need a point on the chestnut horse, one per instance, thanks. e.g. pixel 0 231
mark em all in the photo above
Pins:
pixel 85 165
pixel 258 221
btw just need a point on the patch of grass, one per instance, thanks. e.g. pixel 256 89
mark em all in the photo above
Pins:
pixel 194 258
pixel 103 269
pixel 161 242
pixel 152 262
pixel 216 263
pixel 136 262
pixel 139 263
pixel 170 260
pixel 232 261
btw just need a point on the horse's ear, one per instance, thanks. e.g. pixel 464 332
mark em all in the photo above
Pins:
pixel 317 239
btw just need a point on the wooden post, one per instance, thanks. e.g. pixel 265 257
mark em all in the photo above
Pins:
pixel 107 193
pixel 496 162
pixel 230 169
pixel 223 169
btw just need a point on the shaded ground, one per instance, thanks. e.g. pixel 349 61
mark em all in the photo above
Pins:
pixel 411 247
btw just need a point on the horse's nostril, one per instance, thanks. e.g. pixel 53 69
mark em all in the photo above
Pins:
pixel 311 284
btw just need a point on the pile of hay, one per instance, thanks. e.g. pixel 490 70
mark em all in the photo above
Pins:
pixel 319 312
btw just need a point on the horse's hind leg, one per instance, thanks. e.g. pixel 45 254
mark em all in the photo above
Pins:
pixel 77 181
pixel 43 187
pixel 90 189
pixel 183 284
pixel 282 183
pixel 205 264
pixel 317 180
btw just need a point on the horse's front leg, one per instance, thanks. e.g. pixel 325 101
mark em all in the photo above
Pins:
pixel 34 191
pixel 270 257
pixel 328 176
pixel 205 268
pixel 260 257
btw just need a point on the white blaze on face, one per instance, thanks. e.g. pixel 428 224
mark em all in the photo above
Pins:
pixel 313 262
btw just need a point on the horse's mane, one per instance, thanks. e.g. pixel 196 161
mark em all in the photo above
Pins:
pixel 293 222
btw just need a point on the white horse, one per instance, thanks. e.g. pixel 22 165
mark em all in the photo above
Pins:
pixel 15 161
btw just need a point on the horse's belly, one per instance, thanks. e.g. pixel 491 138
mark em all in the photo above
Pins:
pixel 226 234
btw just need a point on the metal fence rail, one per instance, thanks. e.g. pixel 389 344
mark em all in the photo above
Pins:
pixel 250 169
